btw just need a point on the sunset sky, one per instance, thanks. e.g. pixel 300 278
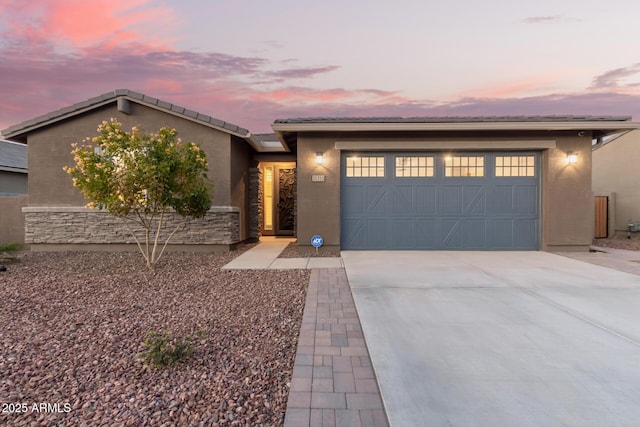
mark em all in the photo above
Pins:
pixel 251 62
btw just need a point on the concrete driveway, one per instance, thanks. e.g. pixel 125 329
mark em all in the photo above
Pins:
pixel 499 338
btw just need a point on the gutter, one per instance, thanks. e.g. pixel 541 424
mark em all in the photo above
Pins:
pixel 280 128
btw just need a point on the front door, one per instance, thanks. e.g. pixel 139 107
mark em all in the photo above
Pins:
pixel 279 185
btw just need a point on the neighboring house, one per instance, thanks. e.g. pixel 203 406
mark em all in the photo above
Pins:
pixel 475 183
pixel 13 168
pixel 616 175
pixel 56 217
pixel 13 191
pixel 479 183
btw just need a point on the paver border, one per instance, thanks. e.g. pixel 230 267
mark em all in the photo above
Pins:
pixel 333 381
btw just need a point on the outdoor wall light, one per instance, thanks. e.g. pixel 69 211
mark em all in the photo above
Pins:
pixel 572 158
pixel 319 158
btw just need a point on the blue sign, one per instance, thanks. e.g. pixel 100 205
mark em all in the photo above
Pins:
pixel 317 241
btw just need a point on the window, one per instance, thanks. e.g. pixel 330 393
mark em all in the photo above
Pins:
pixel 414 166
pixel 464 166
pixel 364 166
pixel 515 166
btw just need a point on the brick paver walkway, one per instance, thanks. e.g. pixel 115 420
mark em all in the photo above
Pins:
pixel 333 381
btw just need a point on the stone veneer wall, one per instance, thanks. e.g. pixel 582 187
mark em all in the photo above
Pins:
pixel 61 225
pixel 255 203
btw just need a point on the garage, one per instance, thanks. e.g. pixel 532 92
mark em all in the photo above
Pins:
pixel 440 200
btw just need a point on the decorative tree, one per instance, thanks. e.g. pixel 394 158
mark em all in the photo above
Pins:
pixel 141 177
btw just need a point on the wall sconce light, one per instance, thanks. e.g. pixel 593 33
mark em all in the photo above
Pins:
pixel 572 158
pixel 319 158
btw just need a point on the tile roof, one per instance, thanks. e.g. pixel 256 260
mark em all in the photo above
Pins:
pixel 452 119
pixel 13 156
pixel 106 98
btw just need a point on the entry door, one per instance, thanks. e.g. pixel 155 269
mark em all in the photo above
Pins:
pixel 285 208
pixel 279 199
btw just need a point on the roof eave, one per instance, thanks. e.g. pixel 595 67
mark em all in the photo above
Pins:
pixel 36 123
pixel 12 169
pixel 192 116
pixel 40 122
pixel 255 142
pixel 610 126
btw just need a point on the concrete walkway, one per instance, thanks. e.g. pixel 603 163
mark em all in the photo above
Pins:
pixel 265 256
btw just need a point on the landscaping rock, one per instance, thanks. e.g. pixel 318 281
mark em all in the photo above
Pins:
pixel 74 324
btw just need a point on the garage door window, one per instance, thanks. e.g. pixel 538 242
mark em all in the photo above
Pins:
pixel 414 166
pixel 364 166
pixel 515 166
pixel 463 166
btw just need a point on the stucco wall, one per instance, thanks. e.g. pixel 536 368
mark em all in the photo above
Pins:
pixel 318 203
pixel 12 219
pixel 240 158
pixel 616 170
pixel 567 202
pixel 50 151
pixel 567 209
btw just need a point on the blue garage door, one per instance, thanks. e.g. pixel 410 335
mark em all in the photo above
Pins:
pixel 464 201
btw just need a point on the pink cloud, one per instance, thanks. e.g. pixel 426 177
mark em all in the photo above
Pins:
pixel 80 23
pixel 110 50
pixel 515 88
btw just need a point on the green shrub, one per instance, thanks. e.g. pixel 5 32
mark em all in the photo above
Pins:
pixel 8 250
pixel 164 350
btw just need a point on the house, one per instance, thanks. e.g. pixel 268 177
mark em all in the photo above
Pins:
pixel 13 168
pixel 476 183
pixel 473 183
pixel 56 218
pixel 616 177
pixel 13 191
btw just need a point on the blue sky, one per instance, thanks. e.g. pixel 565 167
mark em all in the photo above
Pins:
pixel 250 62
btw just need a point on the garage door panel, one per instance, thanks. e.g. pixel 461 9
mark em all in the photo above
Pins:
pixel 525 232
pixel 425 199
pixel 376 200
pixel 376 233
pixel 474 200
pixel 451 200
pixel 501 199
pixel 451 234
pixel 404 233
pixel 352 233
pixel 354 204
pixel 426 234
pixel 501 233
pixel 475 236
pixel 525 200
pixel 403 201
pixel 432 211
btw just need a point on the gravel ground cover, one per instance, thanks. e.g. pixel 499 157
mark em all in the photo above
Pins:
pixel 619 242
pixel 294 251
pixel 74 324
